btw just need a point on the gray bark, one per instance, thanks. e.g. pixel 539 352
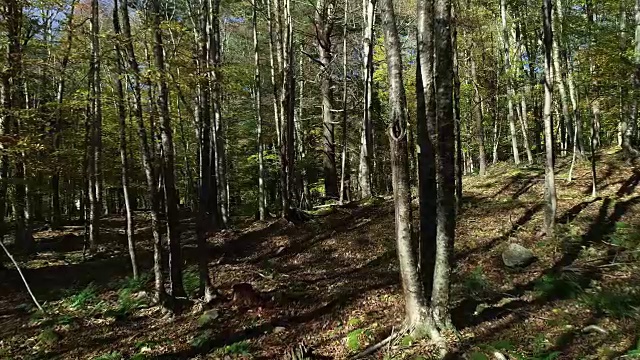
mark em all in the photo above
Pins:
pixel 366 141
pixel 507 72
pixel 549 186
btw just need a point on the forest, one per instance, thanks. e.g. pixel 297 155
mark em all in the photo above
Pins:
pixel 319 179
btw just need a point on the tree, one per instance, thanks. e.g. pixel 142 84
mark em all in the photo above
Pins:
pixel 171 205
pixel 445 164
pixel 123 142
pixel 507 72
pixel 366 142
pixel 549 176
pixel 262 200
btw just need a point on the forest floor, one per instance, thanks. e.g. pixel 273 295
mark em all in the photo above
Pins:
pixel 333 281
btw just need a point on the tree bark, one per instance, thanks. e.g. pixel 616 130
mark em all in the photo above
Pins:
pixel 445 175
pixel 366 140
pixel 507 72
pixel 457 121
pixel 323 31
pixel 416 305
pixel 147 159
pixel 173 235
pixel 426 127
pixel 550 186
pixel 95 186
pixel 478 118
pixel 124 161
pixel 258 101
pixel 344 187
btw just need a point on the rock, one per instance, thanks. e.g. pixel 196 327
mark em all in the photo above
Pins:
pixel 517 256
pixel 278 329
pixel 208 317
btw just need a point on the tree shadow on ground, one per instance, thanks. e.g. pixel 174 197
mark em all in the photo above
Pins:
pixel 525 218
pixel 602 226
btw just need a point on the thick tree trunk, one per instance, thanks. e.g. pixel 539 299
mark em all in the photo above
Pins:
pixel 147 159
pixel 124 161
pixel 549 176
pixel 426 127
pixel 445 208
pixel 416 304
pixel 366 140
pixel 323 31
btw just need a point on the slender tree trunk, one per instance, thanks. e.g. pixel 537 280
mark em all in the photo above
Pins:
pixel 123 141
pixel 559 74
pixel 96 124
pixel 457 121
pixel 147 159
pixel 344 166
pixel 366 140
pixel 55 179
pixel 206 212
pixel 628 127
pixel 261 193
pixel 524 95
pixel 477 113
pixel 507 72
pixel 550 185
pixel 173 234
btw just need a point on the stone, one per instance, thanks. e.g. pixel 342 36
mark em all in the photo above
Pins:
pixel 517 256
pixel 208 317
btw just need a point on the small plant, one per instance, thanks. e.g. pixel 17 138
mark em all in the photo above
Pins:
pixel 114 355
pixel 134 285
pixel 201 341
pixel 356 339
pixel 617 304
pixel 127 305
pixel 475 283
pixel 238 348
pixel 191 280
pixel 564 286
pixel 48 337
pixel 634 353
pixel 85 297
pixel 354 322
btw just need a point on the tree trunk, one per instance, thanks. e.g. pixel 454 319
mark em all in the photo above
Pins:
pixel 366 140
pixel 507 72
pixel 628 127
pixel 323 31
pixel 55 179
pixel 344 166
pixel 559 74
pixel 457 121
pixel 478 118
pixel 445 208
pixel 549 176
pixel 261 193
pixel 522 109
pixel 416 305
pixel 95 186
pixel 173 235
pixel 147 159
pixel 426 127
pixel 123 141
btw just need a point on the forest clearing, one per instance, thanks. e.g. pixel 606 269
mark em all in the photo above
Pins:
pixel 333 282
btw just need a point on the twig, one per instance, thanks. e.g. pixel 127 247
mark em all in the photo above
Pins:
pixel 375 347
pixel 22 276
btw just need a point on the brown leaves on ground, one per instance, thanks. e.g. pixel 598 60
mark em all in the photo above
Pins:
pixel 333 282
